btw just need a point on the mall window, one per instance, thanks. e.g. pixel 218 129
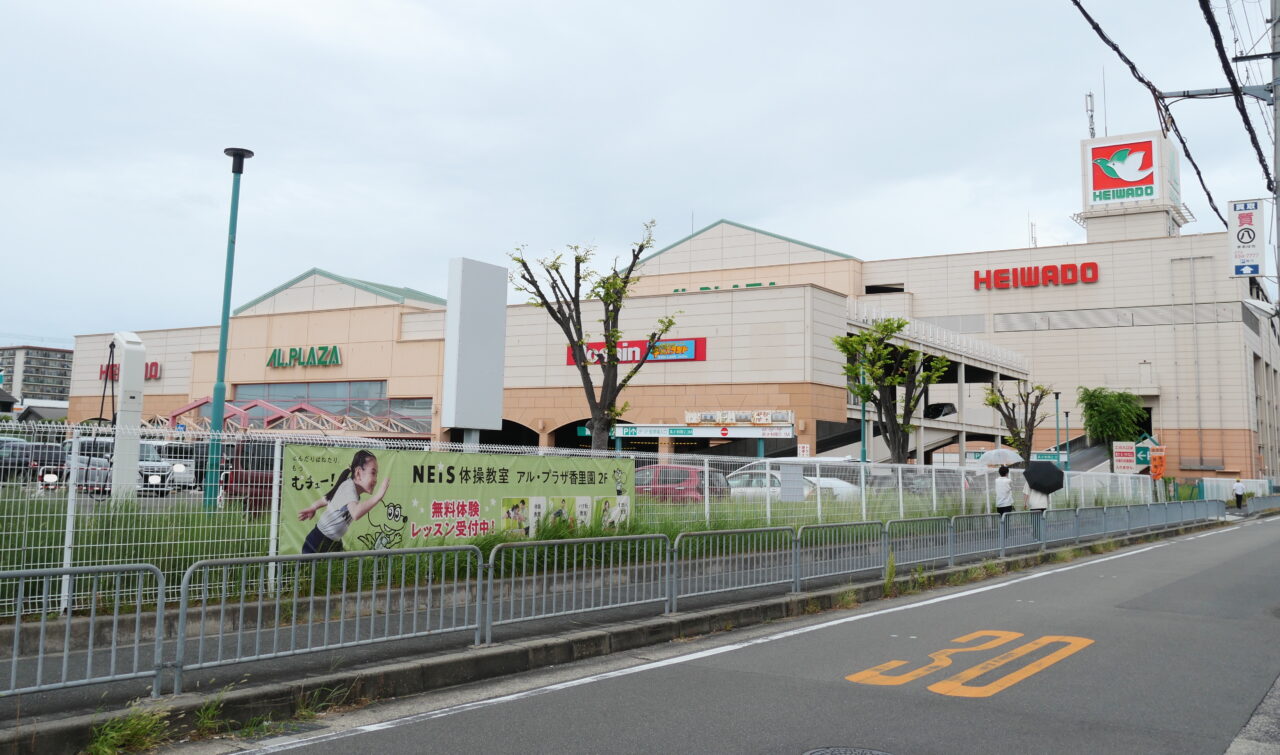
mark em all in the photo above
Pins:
pixel 363 398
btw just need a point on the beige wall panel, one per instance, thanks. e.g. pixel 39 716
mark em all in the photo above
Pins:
pixel 362 361
pixel 422 325
pixel 249 332
pixel 425 359
pixel 329 328
pixel 373 324
pixel 286 331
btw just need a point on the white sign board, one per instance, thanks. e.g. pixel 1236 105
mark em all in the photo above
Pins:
pixel 1246 237
pixel 802 449
pixel 681 431
pixel 475 326
pixel 1124 457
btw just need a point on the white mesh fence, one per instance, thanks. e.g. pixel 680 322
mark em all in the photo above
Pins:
pixel 60 508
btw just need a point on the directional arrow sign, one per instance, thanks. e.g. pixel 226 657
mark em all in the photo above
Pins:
pixel 1246 241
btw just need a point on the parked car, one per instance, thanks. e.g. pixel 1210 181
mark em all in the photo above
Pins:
pixel 13 459
pixel 759 485
pixel 38 456
pixel 154 473
pixel 679 483
pixel 247 470
pixel 181 457
pixel 835 473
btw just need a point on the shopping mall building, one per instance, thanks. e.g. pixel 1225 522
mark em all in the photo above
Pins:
pixel 750 365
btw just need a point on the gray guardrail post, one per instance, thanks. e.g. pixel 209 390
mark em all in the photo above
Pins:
pixel 795 563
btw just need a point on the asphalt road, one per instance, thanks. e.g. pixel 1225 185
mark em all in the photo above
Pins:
pixel 1164 648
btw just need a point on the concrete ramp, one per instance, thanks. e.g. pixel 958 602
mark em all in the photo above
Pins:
pixel 877 450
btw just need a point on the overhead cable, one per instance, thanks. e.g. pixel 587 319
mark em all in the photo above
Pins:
pixel 1167 123
pixel 1237 95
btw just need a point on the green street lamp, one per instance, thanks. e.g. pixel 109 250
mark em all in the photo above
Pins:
pixel 1057 425
pixel 238 155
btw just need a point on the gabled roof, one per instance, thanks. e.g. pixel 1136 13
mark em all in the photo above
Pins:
pixel 746 228
pixel 396 293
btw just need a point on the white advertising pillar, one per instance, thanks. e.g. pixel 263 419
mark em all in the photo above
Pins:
pixel 132 356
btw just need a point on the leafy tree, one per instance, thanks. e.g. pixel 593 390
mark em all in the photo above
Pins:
pixel 564 288
pixel 1020 412
pixel 1110 415
pixel 892 377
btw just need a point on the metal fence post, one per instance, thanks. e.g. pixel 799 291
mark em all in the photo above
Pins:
pixel 768 492
pixel 489 595
pixel 933 486
pixel 951 541
pixel 817 475
pixel 273 534
pixel 795 563
pixel 672 565
pixel 484 610
pixel 706 490
pixel 1077 524
pixel 1004 518
pixel 884 550
pixel 69 529
pixel 902 511
pixel 862 488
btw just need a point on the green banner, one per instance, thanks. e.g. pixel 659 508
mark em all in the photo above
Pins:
pixel 433 498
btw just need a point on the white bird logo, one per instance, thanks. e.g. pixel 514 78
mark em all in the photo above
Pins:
pixel 1124 165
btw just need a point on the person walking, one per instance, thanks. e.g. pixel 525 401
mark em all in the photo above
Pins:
pixel 1037 503
pixel 1004 496
pixel 1238 489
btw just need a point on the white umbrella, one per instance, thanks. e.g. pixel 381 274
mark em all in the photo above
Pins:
pixel 1000 456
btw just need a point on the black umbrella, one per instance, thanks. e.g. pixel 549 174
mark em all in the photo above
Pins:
pixel 1043 476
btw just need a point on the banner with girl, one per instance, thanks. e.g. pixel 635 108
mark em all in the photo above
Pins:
pixel 372 499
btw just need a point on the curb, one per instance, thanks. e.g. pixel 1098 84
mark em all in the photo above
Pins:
pixel 282 700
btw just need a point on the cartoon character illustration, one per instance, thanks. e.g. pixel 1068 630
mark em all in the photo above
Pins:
pixel 383 537
pixel 342 504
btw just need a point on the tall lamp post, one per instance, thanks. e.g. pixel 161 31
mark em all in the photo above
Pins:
pixel 238 155
pixel 1067 415
pixel 1057 440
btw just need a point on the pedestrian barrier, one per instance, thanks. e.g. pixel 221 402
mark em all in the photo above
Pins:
pixel 232 611
pixel 239 610
pixel 540 579
pixel 703 563
pixel 52 648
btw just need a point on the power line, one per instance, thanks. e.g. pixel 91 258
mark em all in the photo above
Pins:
pixel 1167 123
pixel 1237 95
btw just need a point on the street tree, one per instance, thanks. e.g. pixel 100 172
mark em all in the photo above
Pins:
pixel 1020 412
pixel 1110 415
pixel 891 376
pixel 572 293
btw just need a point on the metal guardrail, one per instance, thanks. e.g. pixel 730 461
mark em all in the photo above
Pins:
pixel 238 610
pixel 120 638
pixel 540 579
pixel 248 609
pixel 715 561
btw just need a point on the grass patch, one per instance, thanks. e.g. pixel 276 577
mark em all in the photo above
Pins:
pixel 138 730
pixel 209 721
pixel 993 568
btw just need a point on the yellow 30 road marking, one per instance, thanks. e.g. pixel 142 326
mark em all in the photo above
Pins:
pixel 956 686
pixel 941 659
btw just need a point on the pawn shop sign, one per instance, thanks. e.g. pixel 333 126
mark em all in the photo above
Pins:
pixel 1157 462
pixel 1246 237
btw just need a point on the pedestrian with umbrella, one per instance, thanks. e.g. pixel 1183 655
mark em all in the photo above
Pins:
pixel 1042 479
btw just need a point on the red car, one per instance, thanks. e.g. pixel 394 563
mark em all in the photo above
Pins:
pixel 679 483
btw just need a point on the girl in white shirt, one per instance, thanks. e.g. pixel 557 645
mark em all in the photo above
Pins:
pixel 342 504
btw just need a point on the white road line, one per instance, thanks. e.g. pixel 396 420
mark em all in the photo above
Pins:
pixel 463 708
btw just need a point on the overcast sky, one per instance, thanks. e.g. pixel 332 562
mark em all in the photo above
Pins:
pixel 392 135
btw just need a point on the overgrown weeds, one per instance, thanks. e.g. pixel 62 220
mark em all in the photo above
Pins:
pixel 138 730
